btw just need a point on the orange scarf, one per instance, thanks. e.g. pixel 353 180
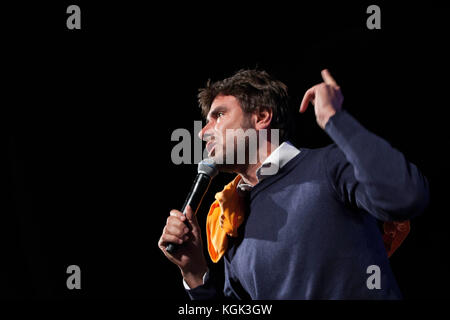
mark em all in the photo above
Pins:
pixel 394 234
pixel 226 214
pixel 224 218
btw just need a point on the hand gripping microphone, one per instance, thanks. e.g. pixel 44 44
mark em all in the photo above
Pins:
pixel 206 171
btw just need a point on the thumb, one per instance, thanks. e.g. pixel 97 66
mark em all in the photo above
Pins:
pixel 189 213
pixel 191 217
pixel 192 220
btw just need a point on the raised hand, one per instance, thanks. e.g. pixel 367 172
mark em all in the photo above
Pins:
pixel 326 97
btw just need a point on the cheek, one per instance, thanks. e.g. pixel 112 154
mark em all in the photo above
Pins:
pixel 219 130
pixel 247 122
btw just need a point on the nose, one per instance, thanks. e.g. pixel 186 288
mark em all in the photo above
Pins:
pixel 205 133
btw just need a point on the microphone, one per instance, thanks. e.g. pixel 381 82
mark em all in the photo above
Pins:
pixel 206 171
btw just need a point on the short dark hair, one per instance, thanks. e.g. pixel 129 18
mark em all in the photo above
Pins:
pixel 255 90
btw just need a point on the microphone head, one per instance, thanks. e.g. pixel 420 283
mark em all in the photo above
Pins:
pixel 208 167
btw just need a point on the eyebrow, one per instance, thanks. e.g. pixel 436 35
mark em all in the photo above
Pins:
pixel 215 111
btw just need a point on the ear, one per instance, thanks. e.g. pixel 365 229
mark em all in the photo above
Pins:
pixel 263 118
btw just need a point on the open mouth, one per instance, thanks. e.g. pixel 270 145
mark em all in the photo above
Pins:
pixel 210 146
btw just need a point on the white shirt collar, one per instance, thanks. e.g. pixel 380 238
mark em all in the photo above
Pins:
pixel 274 162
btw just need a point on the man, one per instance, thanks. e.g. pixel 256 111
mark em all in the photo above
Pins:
pixel 309 229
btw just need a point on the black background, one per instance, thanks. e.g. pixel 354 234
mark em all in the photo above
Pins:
pixel 89 114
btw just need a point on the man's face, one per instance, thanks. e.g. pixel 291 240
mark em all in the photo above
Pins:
pixel 225 113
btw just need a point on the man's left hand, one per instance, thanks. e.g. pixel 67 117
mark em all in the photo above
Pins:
pixel 326 97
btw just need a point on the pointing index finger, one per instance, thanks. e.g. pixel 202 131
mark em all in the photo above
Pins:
pixel 328 79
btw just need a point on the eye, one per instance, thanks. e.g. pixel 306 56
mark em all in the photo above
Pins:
pixel 219 114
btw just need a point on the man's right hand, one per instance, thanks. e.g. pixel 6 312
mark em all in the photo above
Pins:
pixel 185 232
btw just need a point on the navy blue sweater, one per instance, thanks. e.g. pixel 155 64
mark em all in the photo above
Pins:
pixel 311 229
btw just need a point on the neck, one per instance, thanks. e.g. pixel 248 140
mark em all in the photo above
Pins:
pixel 248 171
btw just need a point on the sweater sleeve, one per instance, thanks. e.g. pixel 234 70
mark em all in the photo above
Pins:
pixel 210 290
pixel 207 291
pixel 366 171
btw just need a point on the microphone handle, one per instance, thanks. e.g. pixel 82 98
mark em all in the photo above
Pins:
pixel 194 199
